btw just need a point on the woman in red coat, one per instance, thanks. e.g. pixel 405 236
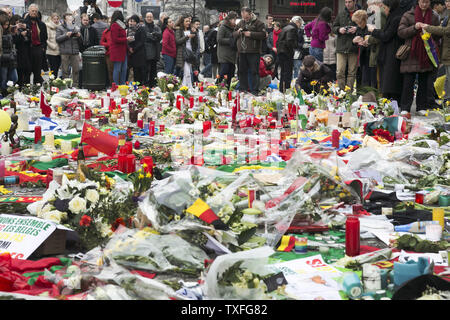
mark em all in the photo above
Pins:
pixel 118 48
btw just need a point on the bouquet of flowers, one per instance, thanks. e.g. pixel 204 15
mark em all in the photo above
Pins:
pixel 185 92
pixel 168 83
pixel 90 207
pixel 212 90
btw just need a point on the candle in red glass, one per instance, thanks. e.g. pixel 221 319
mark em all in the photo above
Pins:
pixel 191 102
pixel 352 238
pixel 87 114
pixel 37 134
pixel 335 138
pixel 137 144
pixel 419 197
pixel 206 128
pixel 122 162
pixel 151 128
pixel 234 113
pixel 124 100
pixel 201 89
pixel 140 123
pixel 148 161
pixel 131 163
pixel 178 104
pixel 230 95
pixel 161 128
pixel 129 147
pixel 200 99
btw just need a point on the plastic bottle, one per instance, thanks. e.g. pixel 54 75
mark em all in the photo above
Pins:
pixel 352 236
pixel 414 227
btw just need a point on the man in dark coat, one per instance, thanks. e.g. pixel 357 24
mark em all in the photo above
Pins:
pixel 153 37
pixel 286 45
pixel 250 32
pixel 38 41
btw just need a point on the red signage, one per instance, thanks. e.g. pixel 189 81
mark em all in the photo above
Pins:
pixel 302 4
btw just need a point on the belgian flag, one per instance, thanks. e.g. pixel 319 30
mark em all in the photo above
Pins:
pixel 287 244
pixel 201 210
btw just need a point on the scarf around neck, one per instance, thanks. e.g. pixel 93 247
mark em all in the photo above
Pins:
pixel 417 45
pixel 275 37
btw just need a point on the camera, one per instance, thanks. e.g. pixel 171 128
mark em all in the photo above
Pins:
pixel 347 28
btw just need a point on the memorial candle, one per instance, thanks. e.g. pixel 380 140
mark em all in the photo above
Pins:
pixel 37 134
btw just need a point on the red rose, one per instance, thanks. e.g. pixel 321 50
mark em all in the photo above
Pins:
pixel 85 221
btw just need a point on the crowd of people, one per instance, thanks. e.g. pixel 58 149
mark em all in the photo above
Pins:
pixel 379 47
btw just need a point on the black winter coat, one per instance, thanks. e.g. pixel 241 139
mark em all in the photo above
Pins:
pixel 137 58
pixel 288 40
pixel 211 43
pixel 42 31
pixel 23 47
pixel 93 38
pixel 153 37
pixel 9 56
pixel 391 81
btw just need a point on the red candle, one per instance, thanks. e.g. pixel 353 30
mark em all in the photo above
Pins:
pixel 124 100
pixel 161 128
pixel 37 134
pixel 137 144
pixel 201 89
pixel 122 162
pixel 151 129
pixel 191 102
pixel 206 128
pixel 112 103
pixel 419 197
pixel 148 161
pixel 335 138
pixel 131 163
pixel 178 104
pixel 200 99
pixel 140 123
pixel 113 86
pixel 234 113
pixel 129 147
pixel 251 197
pixel 87 114
pixel 352 237
pixel 230 95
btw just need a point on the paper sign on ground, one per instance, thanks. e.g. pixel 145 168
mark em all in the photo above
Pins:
pixel 21 236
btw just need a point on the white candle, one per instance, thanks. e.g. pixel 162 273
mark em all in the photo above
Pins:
pixel 66 146
pixel 50 139
pixel 6 148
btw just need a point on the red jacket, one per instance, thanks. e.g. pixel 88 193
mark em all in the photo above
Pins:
pixel 118 46
pixel 263 71
pixel 169 46
pixel 106 40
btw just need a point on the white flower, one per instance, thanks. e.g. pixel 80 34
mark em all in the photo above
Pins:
pixel 103 191
pixel 55 216
pixel 92 195
pixel 10 83
pixel 104 229
pixel 77 204
pixel 200 117
pixel 170 86
pixel 43 210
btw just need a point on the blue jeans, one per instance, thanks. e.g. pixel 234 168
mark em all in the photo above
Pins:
pixel 8 74
pixel 207 70
pixel 297 65
pixel 169 64
pixel 316 53
pixel 120 72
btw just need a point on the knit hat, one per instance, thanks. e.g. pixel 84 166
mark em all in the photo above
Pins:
pixel 269 56
pixel 308 61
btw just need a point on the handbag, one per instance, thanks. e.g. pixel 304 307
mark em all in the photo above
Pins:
pixel 403 52
pixel 189 56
